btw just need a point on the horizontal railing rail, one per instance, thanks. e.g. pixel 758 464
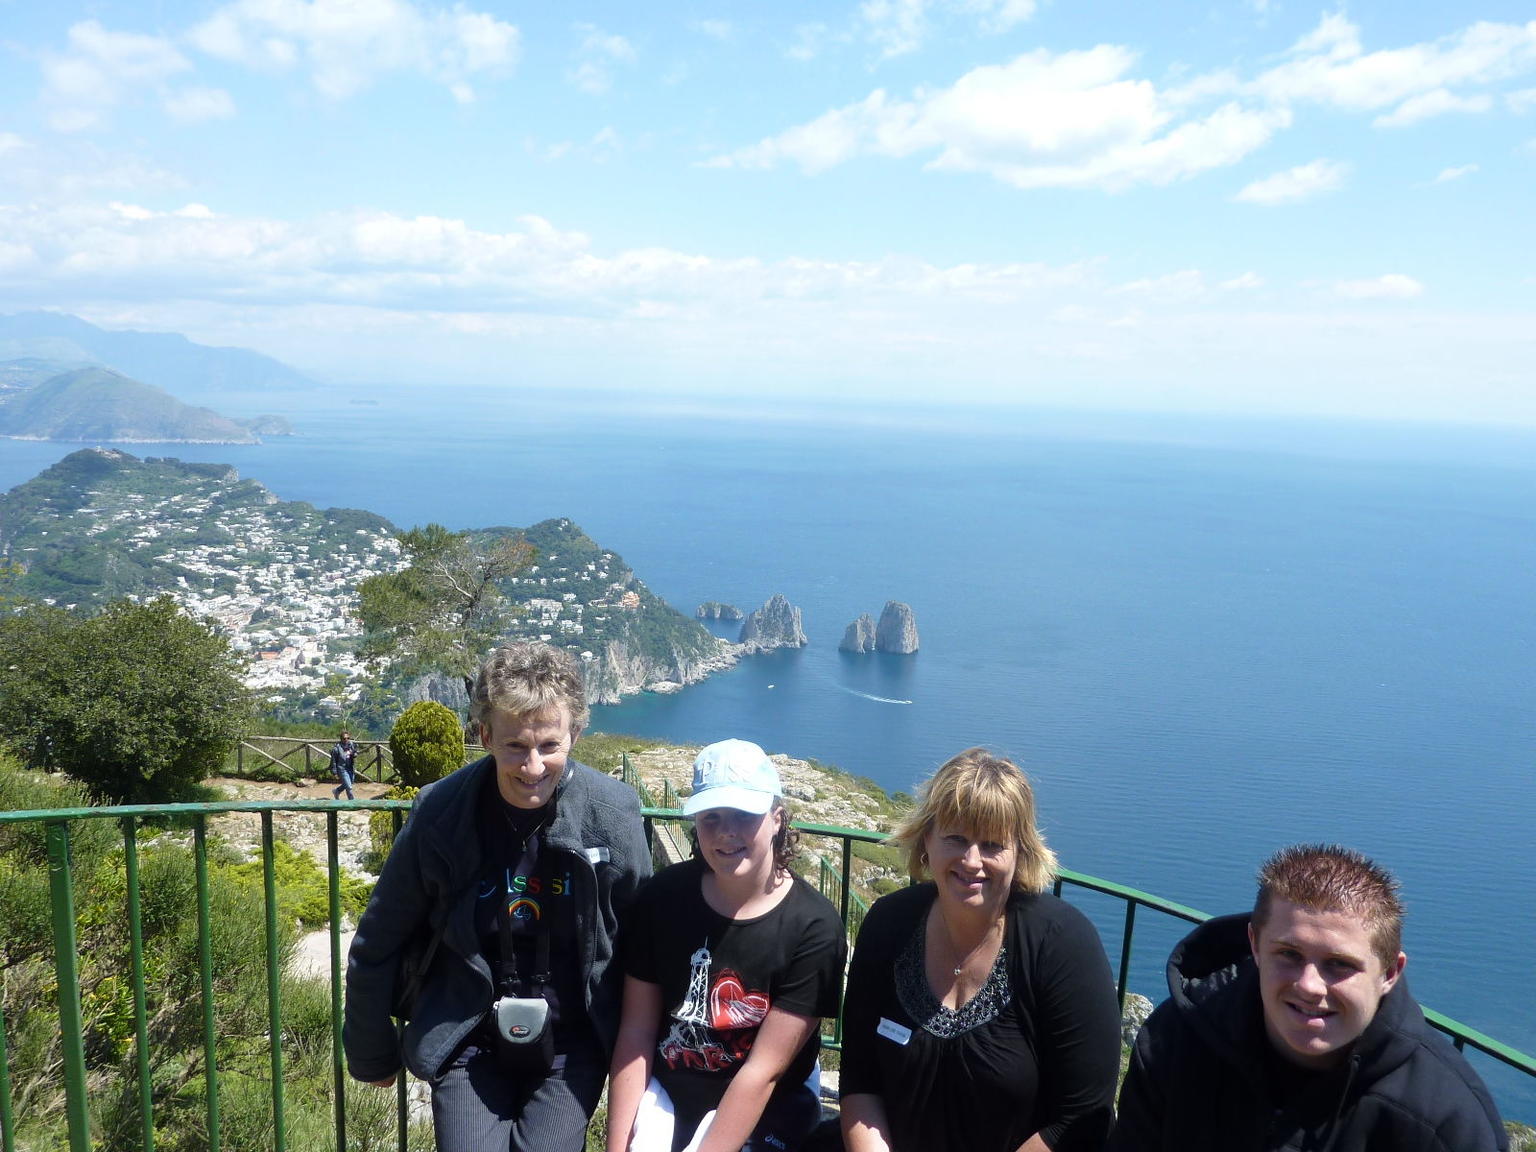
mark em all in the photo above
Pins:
pixel 312 757
pixel 140 824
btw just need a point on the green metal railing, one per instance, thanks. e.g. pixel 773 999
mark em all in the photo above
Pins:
pixel 58 826
pixel 289 754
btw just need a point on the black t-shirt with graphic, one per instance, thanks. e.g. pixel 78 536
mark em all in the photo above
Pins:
pixel 533 888
pixel 719 977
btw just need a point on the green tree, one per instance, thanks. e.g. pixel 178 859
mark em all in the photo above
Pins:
pixel 426 743
pixel 138 703
pixel 446 608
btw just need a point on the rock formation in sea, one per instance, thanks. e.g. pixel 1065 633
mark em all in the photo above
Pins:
pixel 775 625
pixel 897 630
pixel 859 636
pixel 715 610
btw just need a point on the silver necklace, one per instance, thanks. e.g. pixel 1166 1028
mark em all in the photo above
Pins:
pixel 954 952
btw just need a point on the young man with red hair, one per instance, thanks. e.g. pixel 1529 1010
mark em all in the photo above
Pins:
pixel 1292 1028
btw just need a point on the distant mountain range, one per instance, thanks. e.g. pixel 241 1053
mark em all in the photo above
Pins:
pixel 165 359
pixel 97 405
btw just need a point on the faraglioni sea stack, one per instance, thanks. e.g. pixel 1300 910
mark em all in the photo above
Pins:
pixel 775 625
pixel 896 633
pixel 859 636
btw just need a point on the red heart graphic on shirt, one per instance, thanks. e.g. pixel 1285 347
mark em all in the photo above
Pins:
pixel 732 1006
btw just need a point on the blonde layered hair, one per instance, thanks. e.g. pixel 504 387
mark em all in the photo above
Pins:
pixel 987 798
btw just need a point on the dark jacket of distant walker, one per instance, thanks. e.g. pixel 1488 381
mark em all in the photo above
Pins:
pixel 1201 1075
pixel 431 875
pixel 343 756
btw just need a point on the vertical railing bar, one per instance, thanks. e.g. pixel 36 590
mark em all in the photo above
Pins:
pixel 402 1102
pixel 274 982
pixel 205 972
pixel 1056 888
pixel 333 865
pixel 842 910
pixel 66 969
pixel 7 1121
pixel 1125 949
pixel 136 966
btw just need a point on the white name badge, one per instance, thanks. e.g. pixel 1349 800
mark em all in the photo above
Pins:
pixel 894 1031
pixel 597 855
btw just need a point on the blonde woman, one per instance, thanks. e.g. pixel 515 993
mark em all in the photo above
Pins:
pixel 980 1014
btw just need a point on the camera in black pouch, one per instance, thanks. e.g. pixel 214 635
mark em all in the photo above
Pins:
pixel 525 1034
pixel 523 1024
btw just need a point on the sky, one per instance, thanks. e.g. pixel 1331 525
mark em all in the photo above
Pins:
pixel 1255 206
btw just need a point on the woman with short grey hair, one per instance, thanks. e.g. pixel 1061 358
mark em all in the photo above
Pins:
pixel 514 870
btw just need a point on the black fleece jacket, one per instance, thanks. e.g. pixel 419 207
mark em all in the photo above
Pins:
pixel 1204 1076
pixel 429 882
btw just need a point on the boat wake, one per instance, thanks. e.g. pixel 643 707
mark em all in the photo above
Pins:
pixel 867 696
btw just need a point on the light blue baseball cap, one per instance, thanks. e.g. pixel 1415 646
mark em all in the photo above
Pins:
pixel 733 774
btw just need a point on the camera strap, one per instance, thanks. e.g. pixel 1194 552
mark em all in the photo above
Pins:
pixel 507 980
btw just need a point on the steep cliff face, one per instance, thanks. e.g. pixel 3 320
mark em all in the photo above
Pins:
pixel 859 636
pixel 622 669
pixel 715 610
pixel 775 625
pixel 897 630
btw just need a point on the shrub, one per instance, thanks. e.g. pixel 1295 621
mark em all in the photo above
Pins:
pixel 303 891
pixel 427 743
pixel 381 828
pixel 138 703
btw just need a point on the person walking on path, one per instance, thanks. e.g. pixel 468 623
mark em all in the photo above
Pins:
pixel 343 757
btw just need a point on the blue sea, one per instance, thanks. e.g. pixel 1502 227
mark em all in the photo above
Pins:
pixel 1204 639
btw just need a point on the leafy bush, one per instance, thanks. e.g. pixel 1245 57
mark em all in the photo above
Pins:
pixel 427 743
pixel 138 703
pixel 303 891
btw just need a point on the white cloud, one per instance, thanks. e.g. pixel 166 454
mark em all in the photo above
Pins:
pixel 10 142
pixel 1303 182
pixel 1393 286
pixel 101 69
pixel 899 27
pixel 1002 15
pixel 1330 66
pixel 809 42
pixel 375 296
pixel 599 51
pixel 1186 285
pixel 714 29
pixel 1448 174
pixel 1084 118
pixel 1434 103
pixel 896 27
pixel 1521 101
pixel 346 44
pixel 1244 283
pixel 1074 119
pixel 195 105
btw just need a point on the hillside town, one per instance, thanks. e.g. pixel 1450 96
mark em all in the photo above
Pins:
pixel 280 578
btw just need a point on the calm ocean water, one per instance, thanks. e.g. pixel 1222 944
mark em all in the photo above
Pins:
pixel 1203 640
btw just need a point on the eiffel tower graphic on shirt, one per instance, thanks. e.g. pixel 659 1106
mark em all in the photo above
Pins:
pixel 689 1044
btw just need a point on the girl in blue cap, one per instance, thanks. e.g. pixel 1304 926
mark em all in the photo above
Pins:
pixel 730 964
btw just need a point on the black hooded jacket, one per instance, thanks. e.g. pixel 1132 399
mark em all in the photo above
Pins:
pixel 1205 1078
